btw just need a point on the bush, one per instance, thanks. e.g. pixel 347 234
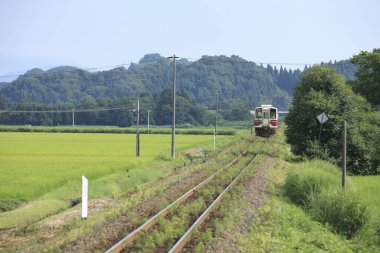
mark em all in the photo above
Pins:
pixel 310 177
pixel 343 211
pixel 316 186
pixel 321 89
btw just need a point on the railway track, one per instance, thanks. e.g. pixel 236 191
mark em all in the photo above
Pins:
pixel 221 184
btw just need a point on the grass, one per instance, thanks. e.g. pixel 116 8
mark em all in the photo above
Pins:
pixel 280 225
pixel 34 165
pixel 283 227
pixel 183 215
pixel 45 168
pixel 32 212
pixel 309 178
pixel 368 188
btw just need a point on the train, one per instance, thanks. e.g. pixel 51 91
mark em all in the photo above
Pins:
pixel 265 120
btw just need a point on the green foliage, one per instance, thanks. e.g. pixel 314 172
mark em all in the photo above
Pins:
pixel 234 77
pixel 235 110
pixel 286 228
pixel 343 211
pixel 309 178
pixel 368 75
pixel 344 67
pixel 315 185
pixel 321 89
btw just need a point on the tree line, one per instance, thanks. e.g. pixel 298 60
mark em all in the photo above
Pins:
pixel 233 77
pixel 188 112
pixel 322 89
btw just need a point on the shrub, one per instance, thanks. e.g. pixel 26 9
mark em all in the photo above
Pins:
pixel 343 211
pixel 310 177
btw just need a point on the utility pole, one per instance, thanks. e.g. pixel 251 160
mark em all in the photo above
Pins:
pixel 148 120
pixel 73 116
pixel 344 155
pixel 173 115
pixel 216 116
pixel 138 129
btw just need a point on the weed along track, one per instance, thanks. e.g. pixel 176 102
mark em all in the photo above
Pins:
pixel 172 227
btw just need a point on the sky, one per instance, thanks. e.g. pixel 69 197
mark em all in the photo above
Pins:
pixel 89 34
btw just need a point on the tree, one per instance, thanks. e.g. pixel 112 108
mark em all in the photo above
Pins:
pixel 368 75
pixel 321 89
pixel 235 110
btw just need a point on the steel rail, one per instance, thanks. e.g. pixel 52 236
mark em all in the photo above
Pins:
pixel 119 246
pixel 186 236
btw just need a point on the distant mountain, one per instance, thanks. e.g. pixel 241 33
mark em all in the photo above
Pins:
pixel 233 77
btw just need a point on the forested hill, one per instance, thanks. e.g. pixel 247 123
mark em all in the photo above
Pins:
pixel 233 77
pixel 344 67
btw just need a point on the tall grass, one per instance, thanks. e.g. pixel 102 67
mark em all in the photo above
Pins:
pixel 315 185
pixel 343 211
pixel 310 178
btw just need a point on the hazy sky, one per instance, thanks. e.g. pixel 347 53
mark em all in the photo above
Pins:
pixel 93 33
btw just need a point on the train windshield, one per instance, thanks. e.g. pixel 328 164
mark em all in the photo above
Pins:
pixel 273 113
pixel 259 113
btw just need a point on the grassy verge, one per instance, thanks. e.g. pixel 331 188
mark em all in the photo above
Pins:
pixel 31 212
pixel 282 226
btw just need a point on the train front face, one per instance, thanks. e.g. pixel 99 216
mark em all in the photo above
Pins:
pixel 266 120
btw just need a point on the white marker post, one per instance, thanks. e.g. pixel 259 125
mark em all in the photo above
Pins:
pixel 84 197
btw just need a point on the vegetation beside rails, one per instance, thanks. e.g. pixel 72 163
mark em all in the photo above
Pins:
pixel 282 226
pixel 316 187
pixel 40 168
pixel 324 218
pixel 132 201
pixel 116 130
pixel 170 229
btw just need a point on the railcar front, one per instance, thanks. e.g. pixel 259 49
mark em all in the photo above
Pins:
pixel 266 120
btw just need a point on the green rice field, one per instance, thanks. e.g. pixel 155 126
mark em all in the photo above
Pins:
pixel 50 165
pixel 368 187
